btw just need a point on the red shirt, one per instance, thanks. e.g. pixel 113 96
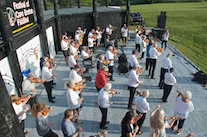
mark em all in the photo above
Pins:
pixel 100 79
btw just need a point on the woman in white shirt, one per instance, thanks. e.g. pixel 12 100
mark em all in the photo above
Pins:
pixel 19 110
pixel 99 33
pixel 73 98
pixel 143 46
pixel 165 39
pixel 183 106
pixel 158 123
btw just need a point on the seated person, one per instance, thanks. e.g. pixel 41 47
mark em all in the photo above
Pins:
pixel 86 55
pixel 72 61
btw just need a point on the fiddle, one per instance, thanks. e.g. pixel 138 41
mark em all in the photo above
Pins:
pixel 47 110
pixel 136 118
pixel 38 80
pixel 138 93
pixel 50 60
pixel 76 57
pixel 115 51
pixel 113 91
pixel 77 45
pixel 20 99
pixel 167 118
pixel 106 62
pixel 78 87
pixel 159 49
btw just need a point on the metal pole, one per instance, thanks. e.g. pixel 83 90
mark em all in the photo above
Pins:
pixel 95 16
pixel 127 12
pixel 78 3
pixel 107 3
pixel 45 4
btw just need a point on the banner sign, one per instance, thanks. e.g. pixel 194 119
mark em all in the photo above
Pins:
pixel 20 14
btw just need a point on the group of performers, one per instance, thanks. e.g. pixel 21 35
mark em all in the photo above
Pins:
pixel 132 122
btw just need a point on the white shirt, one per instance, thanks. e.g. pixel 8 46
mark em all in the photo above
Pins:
pixel 165 36
pixel 169 79
pixel 108 31
pixel 74 75
pixel 182 109
pixel 166 63
pixel 99 34
pixel 64 45
pixel 162 131
pixel 46 74
pixel 139 31
pixel 141 104
pixel 137 39
pixel 110 55
pixel 27 86
pixel 143 46
pixel 103 98
pixel 77 37
pixel 71 61
pixel 133 78
pixel 90 42
pixel 124 32
pixel 73 48
pixel 18 109
pixel 133 60
pixel 80 31
pixel 72 98
pixel 154 53
pixel 84 54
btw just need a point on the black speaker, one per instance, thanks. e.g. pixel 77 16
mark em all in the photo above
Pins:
pixel 160 33
pixel 201 77
pixel 123 67
pixel 161 20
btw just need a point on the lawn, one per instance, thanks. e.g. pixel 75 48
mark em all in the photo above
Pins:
pixel 187 22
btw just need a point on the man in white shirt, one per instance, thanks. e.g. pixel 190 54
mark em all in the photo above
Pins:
pixel 91 41
pixel 166 65
pixel 72 62
pixel 86 55
pixel 104 103
pixel 153 59
pixel 80 31
pixel 75 76
pixel 134 83
pixel 65 46
pixel 138 41
pixel 124 31
pixel 110 57
pixel 142 106
pixel 133 59
pixel 165 39
pixel 169 81
pixel 48 77
pixel 109 30
pixel 29 88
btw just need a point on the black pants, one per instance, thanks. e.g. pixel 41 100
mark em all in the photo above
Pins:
pixel 131 96
pixel 33 100
pixel 162 76
pixel 164 41
pixel 152 66
pixel 138 47
pixel 48 87
pixel 181 123
pixel 147 63
pixel 104 116
pixel 51 134
pixel 142 55
pixel 98 89
pixel 141 120
pixel 166 92
pixel 111 71
pixel 22 125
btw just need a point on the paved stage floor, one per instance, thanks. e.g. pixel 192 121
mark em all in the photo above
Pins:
pixel 91 115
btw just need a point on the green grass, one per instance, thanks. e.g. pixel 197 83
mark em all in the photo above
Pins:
pixel 187 22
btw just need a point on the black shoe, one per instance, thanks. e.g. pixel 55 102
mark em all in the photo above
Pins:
pixel 53 83
pixel 164 101
pixel 104 127
pixel 53 97
pixel 51 101
pixel 107 122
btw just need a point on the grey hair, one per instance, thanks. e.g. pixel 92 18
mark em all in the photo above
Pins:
pixel 187 95
pixel 110 47
pixel 101 56
pixel 157 120
pixel 45 63
pixel 145 93
pixel 72 52
pixel 69 84
pixel 104 68
pixel 107 86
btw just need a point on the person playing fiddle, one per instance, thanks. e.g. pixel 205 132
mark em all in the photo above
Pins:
pixel 87 54
pixel 68 126
pixel 18 104
pixel 100 61
pixel 99 33
pixel 133 58
pixel 124 32
pixel 43 124
pixel 73 47
pixel 133 82
pixel 65 48
pixel 91 41
pixel 47 58
pixel 110 29
pixel 158 123
pixel 183 106
pixel 73 99
pixel 29 88
pixel 110 56
pixel 72 61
